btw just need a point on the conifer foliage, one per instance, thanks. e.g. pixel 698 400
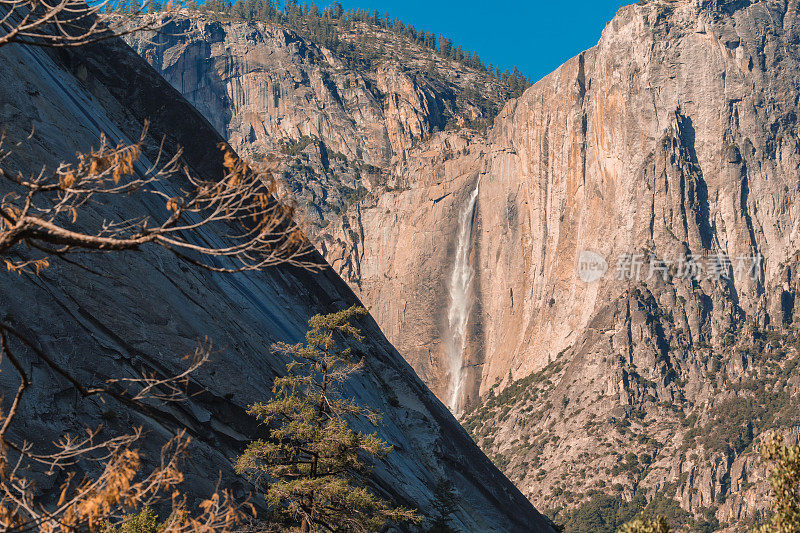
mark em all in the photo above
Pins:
pixel 785 481
pixel 645 524
pixel 310 465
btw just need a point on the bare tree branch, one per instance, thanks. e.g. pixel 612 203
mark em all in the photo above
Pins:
pixel 5 351
pixel 247 213
pixel 113 493
pixel 71 23
pixel 118 489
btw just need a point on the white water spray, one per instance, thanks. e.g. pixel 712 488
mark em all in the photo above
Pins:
pixel 460 302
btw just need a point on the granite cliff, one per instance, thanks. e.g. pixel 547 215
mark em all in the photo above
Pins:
pixel 672 143
pixel 145 311
pixel 267 88
pixel 675 137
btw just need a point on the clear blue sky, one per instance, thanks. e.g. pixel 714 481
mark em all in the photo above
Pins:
pixel 535 35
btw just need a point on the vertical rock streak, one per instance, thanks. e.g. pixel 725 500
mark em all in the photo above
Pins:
pixel 460 302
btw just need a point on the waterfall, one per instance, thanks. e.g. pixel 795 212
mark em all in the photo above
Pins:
pixel 460 302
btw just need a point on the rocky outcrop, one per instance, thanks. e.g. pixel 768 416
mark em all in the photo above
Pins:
pixel 262 84
pixel 144 311
pixel 266 88
pixel 411 110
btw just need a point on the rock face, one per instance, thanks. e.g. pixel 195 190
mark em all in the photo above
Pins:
pixel 675 137
pixel 147 310
pixel 278 87
pixel 398 250
pixel 265 87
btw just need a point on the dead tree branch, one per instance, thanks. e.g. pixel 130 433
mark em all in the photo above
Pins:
pixel 243 221
pixel 71 23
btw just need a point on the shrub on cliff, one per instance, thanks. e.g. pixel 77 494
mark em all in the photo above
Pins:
pixel 643 524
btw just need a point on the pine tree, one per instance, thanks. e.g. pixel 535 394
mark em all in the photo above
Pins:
pixel 785 481
pixel 123 6
pixel 445 503
pixel 445 46
pixel 517 83
pixel 311 462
